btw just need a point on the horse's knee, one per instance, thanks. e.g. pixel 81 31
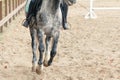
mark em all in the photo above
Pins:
pixel 41 50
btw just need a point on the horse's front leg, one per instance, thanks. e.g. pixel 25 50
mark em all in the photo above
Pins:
pixel 47 53
pixel 34 46
pixel 41 51
pixel 54 48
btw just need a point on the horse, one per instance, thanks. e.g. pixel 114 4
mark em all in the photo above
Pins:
pixel 48 22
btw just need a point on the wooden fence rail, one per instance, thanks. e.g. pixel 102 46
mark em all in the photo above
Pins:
pixel 8 10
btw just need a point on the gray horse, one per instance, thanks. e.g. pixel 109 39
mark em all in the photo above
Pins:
pixel 48 22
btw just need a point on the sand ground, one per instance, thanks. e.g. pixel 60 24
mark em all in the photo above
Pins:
pixel 89 50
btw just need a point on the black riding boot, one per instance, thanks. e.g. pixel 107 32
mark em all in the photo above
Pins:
pixel 64 10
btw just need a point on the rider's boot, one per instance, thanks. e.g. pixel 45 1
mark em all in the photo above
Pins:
pixel 65 26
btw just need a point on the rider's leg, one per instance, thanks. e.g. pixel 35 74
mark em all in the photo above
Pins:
pixel 64 10
pixel 30 11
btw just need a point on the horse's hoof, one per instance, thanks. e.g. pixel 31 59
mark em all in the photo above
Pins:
pixel 39 69
pixel 45 63
pixel 47 57
pixel 33 68
pixel 49 64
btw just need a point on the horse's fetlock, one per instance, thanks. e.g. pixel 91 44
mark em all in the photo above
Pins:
pixel 53 53
pixel 40 63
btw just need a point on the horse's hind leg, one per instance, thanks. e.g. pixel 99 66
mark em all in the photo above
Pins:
pixel 34 46
pixel 47 53
pixel 54 48
pixel 41 51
